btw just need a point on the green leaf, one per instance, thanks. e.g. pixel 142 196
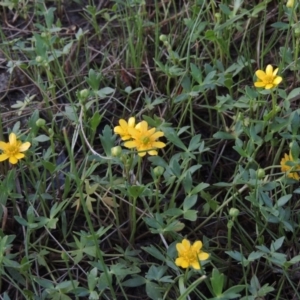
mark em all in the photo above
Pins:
pixel 190 215
pixel 217 282
pixel 108 139
pixel 189 202
pixel 41 138
pixel 154 291
pixel 201 186
pixel 283 200
pixel 223 136
pixel 154 252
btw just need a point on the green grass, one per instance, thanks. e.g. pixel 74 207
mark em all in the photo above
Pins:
pixel 80 223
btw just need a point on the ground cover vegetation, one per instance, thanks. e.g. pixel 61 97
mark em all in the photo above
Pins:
pixel 149 149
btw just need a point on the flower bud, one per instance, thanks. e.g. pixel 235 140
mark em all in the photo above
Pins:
pixel 158 171
pixel 163 38
pixel 234 212
pixel 84 93
pixel 116 151
pixel 261 173
pixel 39 59
pixel 40 123
pixel 290 3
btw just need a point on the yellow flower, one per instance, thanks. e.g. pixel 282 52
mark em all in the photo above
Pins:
pixel 289 169
pixel 122 130
pixel 190 255
pixel 144 139
pixel 290 3
pixel 12 150
pixel 268 79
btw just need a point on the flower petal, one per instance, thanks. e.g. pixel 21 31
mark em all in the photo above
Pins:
pixel 19 155
pixel 275 72
pixel 3 156
pixel 269 86
pixel 152 152
pixel 3 145
pixel 130 144
pixel 203 255
pixel 197 246
pixel 157 135
pixel 195 264
pixel 269 70
pixel 123 123
pixel 24 147
pixel 277 80
pixel 12 139
pixel 158 145
pixel 260 75
pixel 259 84
pixel 131 122
pixel 181 262
pixel 186 244
pixel 13 160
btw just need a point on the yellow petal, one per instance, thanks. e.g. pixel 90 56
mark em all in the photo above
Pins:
pixel 19 155
pixel 197 246
pixel 130 144
pixel 269 86
pixel 157 135
pixel 151 131
pixel 203 256
pixel 24 147
pixel 275 72
pixel 3 157
pixel 181 262
pixel 259 84
pixel 123 123
pixel 12 139
pixel 142 153
pixel 142 126
pixel 158 145
pixel 186 244
pixel 269 70
pixel 13 160
pixel 260 74
pixel 196 265
pixel 152 152
pixel 131 122
pixel 277 80
pixel 3 145
pixel 118 129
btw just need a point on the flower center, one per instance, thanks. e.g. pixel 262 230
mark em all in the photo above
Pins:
pixel 269 79
pixel 145 140
pixel 11 150
pixel 190 256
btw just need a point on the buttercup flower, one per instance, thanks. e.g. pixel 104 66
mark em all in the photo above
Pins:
pixel 12 150
pixel 291 171
pixel 268 79
pixel 122 130
pixel 190 255
pixel 144 139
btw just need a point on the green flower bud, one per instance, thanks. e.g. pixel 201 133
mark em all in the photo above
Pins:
pixel 40 123
pixel 84 93
pixel 218 16
pixel 261 173
pixel 234 212
pixel 297 32
pixel 163 38
pixel 39 59
pixel 116 151
pixel 158 171
pixel 50 132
